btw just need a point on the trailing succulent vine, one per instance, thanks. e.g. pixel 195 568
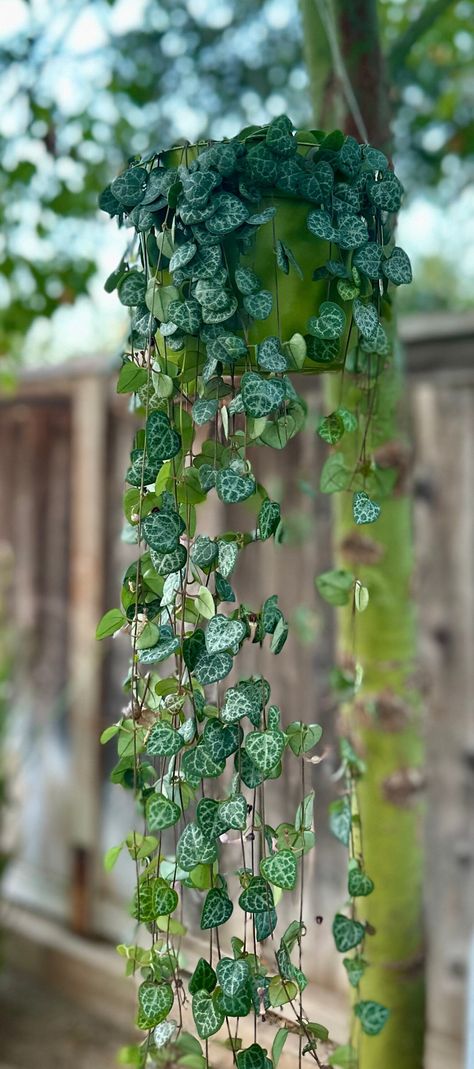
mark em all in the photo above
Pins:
pixel 251 259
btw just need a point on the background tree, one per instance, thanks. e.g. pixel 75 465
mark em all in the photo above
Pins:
pixel 351 78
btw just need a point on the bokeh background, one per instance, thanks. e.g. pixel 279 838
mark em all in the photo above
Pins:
pixel 84 85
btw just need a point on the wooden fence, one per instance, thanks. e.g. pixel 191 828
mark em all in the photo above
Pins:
pixel 64 442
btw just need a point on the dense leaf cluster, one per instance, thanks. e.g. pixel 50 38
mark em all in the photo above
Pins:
pixel 196 360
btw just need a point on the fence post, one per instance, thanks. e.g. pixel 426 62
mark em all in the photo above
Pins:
pixel 89 426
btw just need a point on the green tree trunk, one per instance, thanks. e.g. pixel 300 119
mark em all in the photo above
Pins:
pixel 386 721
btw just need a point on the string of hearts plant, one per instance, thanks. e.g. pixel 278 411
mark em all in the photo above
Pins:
pixel 251 259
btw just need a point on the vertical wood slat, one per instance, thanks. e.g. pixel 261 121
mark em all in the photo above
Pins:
pixel 89 417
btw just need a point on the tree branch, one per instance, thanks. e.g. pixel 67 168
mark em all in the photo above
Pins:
pixel 400 51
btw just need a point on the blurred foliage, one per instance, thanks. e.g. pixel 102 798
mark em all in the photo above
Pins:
pixel 84 82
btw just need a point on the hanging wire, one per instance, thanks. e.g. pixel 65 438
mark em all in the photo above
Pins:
pixel 325 11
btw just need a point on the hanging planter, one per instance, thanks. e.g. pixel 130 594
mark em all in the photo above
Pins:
pixel 255 258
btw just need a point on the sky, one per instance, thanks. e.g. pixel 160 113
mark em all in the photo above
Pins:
pixel 426 228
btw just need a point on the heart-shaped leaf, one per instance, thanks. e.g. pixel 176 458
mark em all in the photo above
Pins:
pixel 162 440
pixel 232 975
pixel 368 259
pixel 221 740
pixel 154 1003
pixel 212 667
pixel 247 698
pixel 232 487
pixel 320 224
pixel 247 281
pixel 257 897
pixel 183 255
pixel 238 1005
pixel 372 1015
pixel 364 509
pixel 331 428
pixel 163 741
pixel 216 910
pixel 258 305
pixel 330 323
pixel 347 933
pixel 279 138
pixel 248 772
pixel 164 1033
pixel 398 267
pixel 386 194
pixel 132 288
pixel 194 849
pixel 227 557
pixel 223 634
pixel 352 232
pixel 265 924
pixel 203 978
pixel 366 319
pixel 268 519
pixel 280 869
pixel 231 814
pixel 302 737
pixel 355 968
pixel 165 898
pixel 261 396
pixel 335 586
pixel 265 749
pixel 230 213
pixel 130 186
pixel 161 812
pixel 186 315
pixel 162 530
pixel 197 764
pixel 340 819
pixel 204 411
pixel 270 355
pixel 204 552
pixel 208 1013
pixel 359 884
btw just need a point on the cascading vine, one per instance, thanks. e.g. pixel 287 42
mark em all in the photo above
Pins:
pixel 253 259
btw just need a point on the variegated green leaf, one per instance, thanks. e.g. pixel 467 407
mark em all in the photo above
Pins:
pixel 161 812
pixel 224 634
pixel 162 440
pixel 154 1003
pixel 398 267
pixel 364 509
pixel 280 869
pixel 258 305
pixel 330 323
pixel 204 552
pixel 270 355
pixel 165 898
pixel 203 978
pixel 359 884
pixel 212 667
pixel 232 975
pixel 372 1015
pixel 230 213
pixel 194 849
pixel 257 896
pixel 227 557
pixel 347 933
pixel 208 1013
pixel 268 519
pixel 163 529
pixel 216 910
pixel 232 487
pixel 261 396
